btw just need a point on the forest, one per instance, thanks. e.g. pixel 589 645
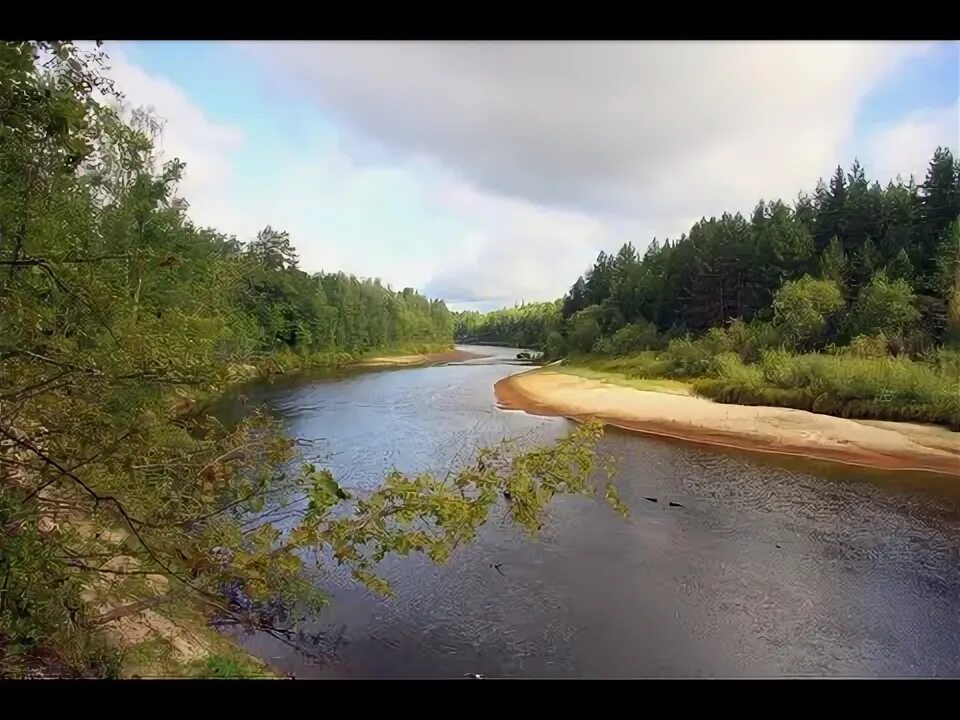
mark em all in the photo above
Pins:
pixel 121 498
pixel 845 302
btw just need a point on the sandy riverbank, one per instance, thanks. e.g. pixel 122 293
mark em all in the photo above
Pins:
pixel 885 445
pixel 452 355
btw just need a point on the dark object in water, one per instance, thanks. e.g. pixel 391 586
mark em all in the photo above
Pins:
pixel 674 504
pixel 523 356
pixel 473 676
pixel 652 499
pixel 778 546
pixel 507 495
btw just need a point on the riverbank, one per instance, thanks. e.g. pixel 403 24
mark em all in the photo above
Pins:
pixel 191 647
pixel 427 358
pixel 881 445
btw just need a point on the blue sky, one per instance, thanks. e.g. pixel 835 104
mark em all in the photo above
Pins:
pixel 490 174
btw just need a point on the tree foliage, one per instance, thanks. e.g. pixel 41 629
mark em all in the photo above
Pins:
pixel 732 268
pixel 802 308
pixel 118 493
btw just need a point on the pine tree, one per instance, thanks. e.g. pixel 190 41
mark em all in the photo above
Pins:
pixel 576 299
pixel 939 208
pixel 900 268
pixel 805 212
pixel 900 212
pixel 831 204
pixel 833 263
pixel 866 262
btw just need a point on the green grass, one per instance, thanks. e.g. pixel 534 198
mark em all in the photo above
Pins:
pixel 843 385
pixel 648 364
pixel 229 666
pixel 879 388
pixel 284 361
pixel 664 385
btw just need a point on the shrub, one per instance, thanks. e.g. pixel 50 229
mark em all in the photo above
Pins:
pixel 628 339
pixel 883 306
pixel 729 366
pixel 802 309
pixel 867 346
pixel 689 358
pixel 555 345
pixel 845 385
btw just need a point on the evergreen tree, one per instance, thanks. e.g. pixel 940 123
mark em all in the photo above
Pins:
pixel 866 261
pixel 833 263
pixel 831 210
pixel 900 268
pixel 939 209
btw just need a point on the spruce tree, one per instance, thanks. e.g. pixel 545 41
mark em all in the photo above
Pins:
pixel 833 263
pixel 900 268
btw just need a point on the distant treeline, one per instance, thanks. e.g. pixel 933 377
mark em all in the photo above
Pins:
pixel 522 326
pixel 286 307
pixel 854 259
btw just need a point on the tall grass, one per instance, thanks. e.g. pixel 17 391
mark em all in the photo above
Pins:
pixel 856 382
pixel 884 388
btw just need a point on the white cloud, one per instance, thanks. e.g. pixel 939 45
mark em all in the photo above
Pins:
pixel 216 193
pixel 188 134
pixel 518 251
pixel 496 171
pixel 905 148
pixel 637 128
pixel 592 138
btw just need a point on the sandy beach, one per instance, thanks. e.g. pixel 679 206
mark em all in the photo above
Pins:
pixel 452 355
pixel 884 445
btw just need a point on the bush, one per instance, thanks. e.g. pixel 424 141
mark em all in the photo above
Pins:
pixel 585 329
pixel 946 361
pixel 845 385
pixel 866 346
pixel 730 391
pixel 689 358
pixel 628 339
pixel 555 346
pixel 803 309
pixel 729 367
pixel 883 306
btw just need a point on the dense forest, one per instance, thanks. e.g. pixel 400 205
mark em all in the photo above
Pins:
pixel 523 326
pixel 119 495
pixel 788 306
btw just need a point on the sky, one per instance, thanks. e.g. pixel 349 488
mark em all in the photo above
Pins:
pixel 493 173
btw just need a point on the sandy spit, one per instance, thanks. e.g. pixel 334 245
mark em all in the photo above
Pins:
pixel 452 355
pixel 883 445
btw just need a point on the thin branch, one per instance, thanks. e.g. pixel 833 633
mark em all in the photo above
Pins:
pixel 23 442
pixel 105 571
pixel 46 267
pixel 139 376
pixel 131 609
pixel 33 261
pixel 35 386
pixel 103 451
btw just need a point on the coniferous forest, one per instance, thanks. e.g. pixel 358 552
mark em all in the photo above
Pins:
pixel 846 301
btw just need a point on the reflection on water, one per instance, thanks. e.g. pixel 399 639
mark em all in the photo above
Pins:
pixel 761 566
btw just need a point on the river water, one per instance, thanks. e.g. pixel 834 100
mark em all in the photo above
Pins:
pixel 767 567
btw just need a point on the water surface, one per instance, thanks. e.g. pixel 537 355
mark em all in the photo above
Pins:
pixel 770 567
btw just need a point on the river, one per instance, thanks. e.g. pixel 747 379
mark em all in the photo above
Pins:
pixel 767 567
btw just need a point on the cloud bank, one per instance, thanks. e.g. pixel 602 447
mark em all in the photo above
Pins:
pixel 535 156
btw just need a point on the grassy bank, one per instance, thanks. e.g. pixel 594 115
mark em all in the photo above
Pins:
pixel 842 384
pixel 285 361
pixel 595 371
